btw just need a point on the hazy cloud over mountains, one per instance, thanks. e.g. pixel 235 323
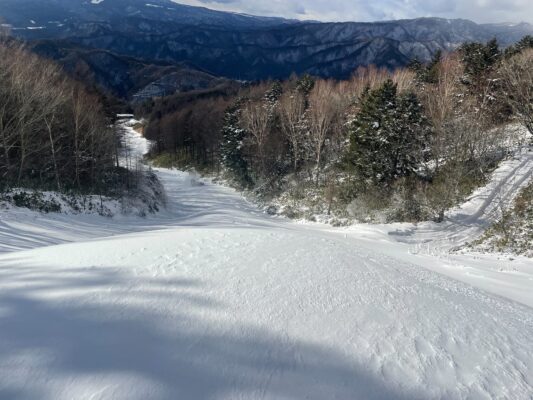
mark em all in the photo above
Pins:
pixel 375 10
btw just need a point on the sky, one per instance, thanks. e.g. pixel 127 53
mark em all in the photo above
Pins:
pixel 376 10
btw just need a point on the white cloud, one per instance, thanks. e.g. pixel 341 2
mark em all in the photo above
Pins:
pixel 375 10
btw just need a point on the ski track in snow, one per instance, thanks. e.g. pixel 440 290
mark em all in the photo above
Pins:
pixel 484 207
pixel 213 299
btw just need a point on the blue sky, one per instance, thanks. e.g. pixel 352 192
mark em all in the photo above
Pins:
pixel 375 10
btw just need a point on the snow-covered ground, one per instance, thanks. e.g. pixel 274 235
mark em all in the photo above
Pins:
pixel 213 299
pixel 441 246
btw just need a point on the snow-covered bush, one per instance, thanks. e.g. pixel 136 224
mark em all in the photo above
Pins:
pixel 513 233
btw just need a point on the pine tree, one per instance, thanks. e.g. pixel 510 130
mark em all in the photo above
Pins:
pixel 274 93
pixel 426 73
pixel 432 70
pixel 479 59
pixel 412 137
pixel 231 146
pixel 418 68
pixel 525 43
pixel 415 65
pixel 271 99
pixel 370 134
pixel 388 136
pixel 492 52
pixel 305 84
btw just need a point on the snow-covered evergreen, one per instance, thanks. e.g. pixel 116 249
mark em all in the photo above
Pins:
pixel 388 137
pixel 232 144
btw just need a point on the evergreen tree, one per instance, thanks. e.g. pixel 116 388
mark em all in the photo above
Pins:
pixel 525 43
pixel 413 133
pixel 370 131
pixel 232 143
pixel 415 65
pixel 432 70
pixel 492 52
pixel 274 93
pixel 271 99
pixel 426 73
pixel 472 56
pixel 305 84
pixel 388 136
pixel 419 69
pixel 479 60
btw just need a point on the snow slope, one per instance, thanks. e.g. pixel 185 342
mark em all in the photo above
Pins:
pixel 509 276
pixel 482 209
pixel 213 299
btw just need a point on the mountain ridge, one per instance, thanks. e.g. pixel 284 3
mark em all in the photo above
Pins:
pixel 246 47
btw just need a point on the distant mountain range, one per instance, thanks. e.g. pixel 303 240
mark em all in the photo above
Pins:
pixel 234 45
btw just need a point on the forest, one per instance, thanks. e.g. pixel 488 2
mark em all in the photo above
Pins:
pixel 402 145
pixel 55 133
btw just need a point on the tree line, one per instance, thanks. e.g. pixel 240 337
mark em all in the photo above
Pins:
pixel 405 144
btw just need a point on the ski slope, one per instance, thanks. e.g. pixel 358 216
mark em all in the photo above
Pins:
pixel 482 209
pixel 213 299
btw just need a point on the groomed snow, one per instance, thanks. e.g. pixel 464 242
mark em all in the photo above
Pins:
pixel 212 299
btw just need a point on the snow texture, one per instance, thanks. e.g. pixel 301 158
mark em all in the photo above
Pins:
pixel 213 299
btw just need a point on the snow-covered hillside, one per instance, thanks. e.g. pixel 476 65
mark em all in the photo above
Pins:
pixel 213 299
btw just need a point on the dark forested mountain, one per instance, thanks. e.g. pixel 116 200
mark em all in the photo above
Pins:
pixel 242 46
pixel 123 76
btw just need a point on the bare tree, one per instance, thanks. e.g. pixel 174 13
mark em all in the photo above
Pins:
pixel 256 120
pixel 517 76
pixel 292 120
pixel 51 129
pixel 440 104
pixel 404 79
pixel 370 77
pixel 324 108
